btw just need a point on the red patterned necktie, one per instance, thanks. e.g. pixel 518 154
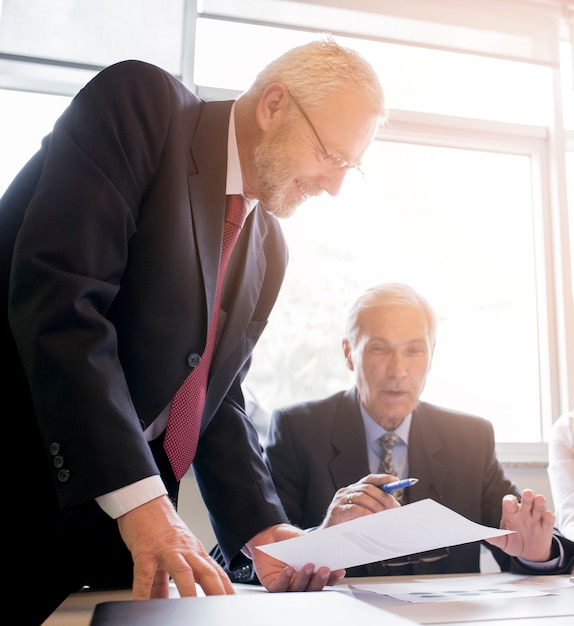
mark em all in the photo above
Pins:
pixel 186 408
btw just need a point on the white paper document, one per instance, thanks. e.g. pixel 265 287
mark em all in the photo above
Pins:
pixel 447 588
pixel 416 527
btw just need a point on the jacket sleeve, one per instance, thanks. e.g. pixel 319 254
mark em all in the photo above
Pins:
pixel 234 481
pixel 283 457
pixel 69 258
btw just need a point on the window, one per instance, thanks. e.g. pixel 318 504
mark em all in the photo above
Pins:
pixel 26 118
pixel 94 34
pixel 461 182
pixel 467 195
pixel 424 216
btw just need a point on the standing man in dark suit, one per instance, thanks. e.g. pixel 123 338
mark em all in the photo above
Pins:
pixel 110 243
pixel 325 455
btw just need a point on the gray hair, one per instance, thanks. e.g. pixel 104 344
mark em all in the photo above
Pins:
pixel 317 70
pixel 389 294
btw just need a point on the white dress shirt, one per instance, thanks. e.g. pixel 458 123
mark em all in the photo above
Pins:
pixel 374 431
pixel 561 472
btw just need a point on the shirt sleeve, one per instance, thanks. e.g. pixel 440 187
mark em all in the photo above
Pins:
pixel 121 501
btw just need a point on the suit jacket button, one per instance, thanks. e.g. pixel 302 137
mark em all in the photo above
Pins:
pixel 58 461
pixel 193 359
pixel 64 476
pixel 54 448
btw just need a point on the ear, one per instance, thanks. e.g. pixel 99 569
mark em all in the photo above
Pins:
pixel 347 352
pixel 271 106
pixel 431 357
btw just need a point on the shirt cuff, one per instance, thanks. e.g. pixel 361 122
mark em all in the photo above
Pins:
pixel 121 501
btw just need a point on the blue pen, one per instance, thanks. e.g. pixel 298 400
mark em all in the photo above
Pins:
pixel 399 484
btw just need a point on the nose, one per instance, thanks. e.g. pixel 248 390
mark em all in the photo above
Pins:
pixel 397 365
pixel 333 181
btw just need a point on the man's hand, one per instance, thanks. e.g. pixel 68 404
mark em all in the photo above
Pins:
pixel 275 576
pixel 533 524
pixel 162 546
pixel 361 498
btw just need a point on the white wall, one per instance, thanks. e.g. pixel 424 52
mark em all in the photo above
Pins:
pixel 193 511
pixel 534 478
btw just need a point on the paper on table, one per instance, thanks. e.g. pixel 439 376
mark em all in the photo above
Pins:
pixel 449 588
pixel 416 527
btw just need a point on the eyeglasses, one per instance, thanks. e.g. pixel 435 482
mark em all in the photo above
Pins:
pixel 337 163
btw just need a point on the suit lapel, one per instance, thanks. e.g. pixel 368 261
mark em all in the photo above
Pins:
pixel 247 265
pixel 425 457
pixel 242 286
pixel 207 190
pixel 348 440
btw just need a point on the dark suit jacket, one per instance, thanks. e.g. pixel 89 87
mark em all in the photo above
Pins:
pixel 109 253
pixel 315 448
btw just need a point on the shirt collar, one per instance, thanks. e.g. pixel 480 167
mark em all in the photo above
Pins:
pixel 374 431
pixel 234 182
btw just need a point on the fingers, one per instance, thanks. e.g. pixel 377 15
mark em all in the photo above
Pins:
pixel 530 504
pixel 532 525
pixel 200 568
pixel 160 585
pixel 281 583
pixel 144 583
pixel 336 576
pixel 306 579
pixel 185 583
pixel 161 545
pixel 368 497
pixel 536 507
pixel 316 581
pixel 358 499
pixel 213 580
pixel 367 493
pixel 276 576
pixel 187 569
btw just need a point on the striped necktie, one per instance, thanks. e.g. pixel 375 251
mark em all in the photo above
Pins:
pixel 388 441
